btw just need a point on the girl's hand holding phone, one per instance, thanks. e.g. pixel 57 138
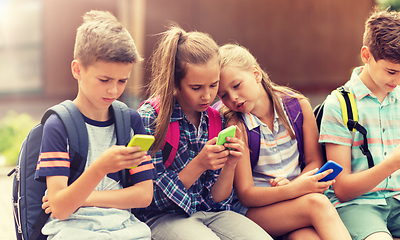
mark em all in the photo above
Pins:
pixel 309 182
pixel 336 169
pixel 235 146
pixel 212 156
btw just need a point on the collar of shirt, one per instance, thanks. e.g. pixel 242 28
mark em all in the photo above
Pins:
pixel 253 121
pixel 178 114
pixel 360 90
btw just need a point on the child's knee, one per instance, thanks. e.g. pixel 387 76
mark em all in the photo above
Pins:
pixel 320 203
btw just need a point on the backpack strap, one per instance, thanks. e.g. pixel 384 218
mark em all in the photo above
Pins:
pixel 38 225
pixel 78 139
pixel 350 119
pixel 254 143
pixel 295 114
pixel 171 143
pixel 215 123
pixel 122 118
pixel 170 146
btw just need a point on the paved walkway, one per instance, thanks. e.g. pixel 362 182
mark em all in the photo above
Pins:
pixel 7 229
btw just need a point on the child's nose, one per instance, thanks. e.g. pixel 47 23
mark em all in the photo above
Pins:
pixel 112 89
pixel 233 97
pixel 397 81
pixel 206 95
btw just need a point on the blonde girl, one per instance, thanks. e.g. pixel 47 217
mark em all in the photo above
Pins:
pixel 282 198
pixel 192 196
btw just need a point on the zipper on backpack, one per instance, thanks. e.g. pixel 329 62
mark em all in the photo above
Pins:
pixel 11 172
pixel 16 202
pixel 17 173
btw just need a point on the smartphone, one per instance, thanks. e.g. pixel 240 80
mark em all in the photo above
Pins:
pixel 142 140
pixel 227 132
pixel 330 165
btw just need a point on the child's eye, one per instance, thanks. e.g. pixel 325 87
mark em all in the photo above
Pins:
pixel 214 85
pixel 196 88
pixel 123 81
pixel 103 80
pixel 237 85
pixel 391 73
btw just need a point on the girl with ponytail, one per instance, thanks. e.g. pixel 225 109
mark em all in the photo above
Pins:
pixel 192 194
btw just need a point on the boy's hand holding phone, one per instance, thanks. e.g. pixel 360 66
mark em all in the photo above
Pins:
pixel 143 141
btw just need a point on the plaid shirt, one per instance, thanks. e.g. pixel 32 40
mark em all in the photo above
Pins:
pixel 170 195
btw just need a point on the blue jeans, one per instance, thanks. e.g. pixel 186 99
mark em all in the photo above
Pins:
pixel 205 225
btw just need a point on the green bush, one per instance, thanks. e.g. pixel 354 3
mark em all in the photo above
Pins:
pixel 13 130
pixel 391 4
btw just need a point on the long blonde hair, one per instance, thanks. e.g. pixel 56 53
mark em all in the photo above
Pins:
pixel 236 56
pixel 175 50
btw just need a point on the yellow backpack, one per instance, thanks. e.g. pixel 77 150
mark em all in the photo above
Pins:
pixel 350 119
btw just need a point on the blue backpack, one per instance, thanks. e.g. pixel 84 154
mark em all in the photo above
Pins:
pixel 29 217
pixel 293 110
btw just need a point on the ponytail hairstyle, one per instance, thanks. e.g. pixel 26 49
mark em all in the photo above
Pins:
pixel 233 55
pixel 174 51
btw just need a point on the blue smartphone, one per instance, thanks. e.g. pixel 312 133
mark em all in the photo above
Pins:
pixel 330 165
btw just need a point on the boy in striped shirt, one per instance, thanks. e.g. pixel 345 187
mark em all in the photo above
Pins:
pixel 97 204
pixel 367 199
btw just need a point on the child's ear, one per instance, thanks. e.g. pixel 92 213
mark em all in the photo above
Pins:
pixel 257 73
pixel 76 69
pixel 366 54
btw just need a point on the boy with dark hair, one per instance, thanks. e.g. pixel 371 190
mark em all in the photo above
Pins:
pixel 97 204
pixel 367 197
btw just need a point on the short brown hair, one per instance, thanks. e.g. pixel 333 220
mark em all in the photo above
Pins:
pixel 102 37
pixel 382 35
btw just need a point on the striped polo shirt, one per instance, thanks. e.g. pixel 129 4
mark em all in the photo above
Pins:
pixel 279 156
pixel 382 121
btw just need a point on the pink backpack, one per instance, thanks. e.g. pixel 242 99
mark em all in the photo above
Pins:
pixel 171 142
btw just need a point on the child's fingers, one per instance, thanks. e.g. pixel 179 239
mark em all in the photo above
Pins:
pixel 323 186
pixel 238 133
pixel 235 153
pixel 212 141
pixel 47 210
pixel 311 172
pixel 323 174
pixel 136 161
pixel 45 205
pixel 129 150
pixel 282 182
pixel 234 146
